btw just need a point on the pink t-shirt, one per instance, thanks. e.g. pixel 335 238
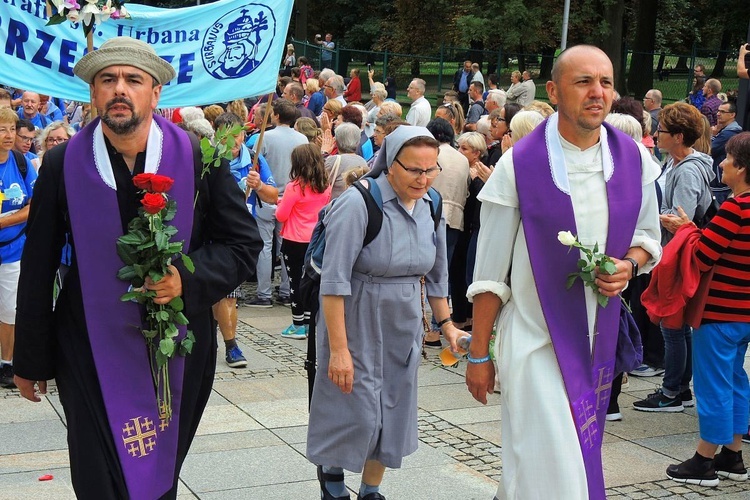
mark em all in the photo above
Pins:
pixel 298 211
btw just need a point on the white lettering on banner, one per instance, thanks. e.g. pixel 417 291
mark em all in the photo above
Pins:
pixel 236 46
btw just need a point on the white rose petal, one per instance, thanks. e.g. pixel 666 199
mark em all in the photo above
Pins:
pixel 566 238
pixel 73 16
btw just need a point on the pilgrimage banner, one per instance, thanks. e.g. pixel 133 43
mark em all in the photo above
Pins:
pixel 221 51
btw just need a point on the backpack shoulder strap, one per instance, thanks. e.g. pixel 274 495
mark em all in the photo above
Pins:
pixel 436 206
pixel 374 203
pixel 23 166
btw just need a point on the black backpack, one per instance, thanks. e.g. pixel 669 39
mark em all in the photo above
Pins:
pixel 309 286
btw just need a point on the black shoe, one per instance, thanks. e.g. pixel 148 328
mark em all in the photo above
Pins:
pixel 659 402
pixel 371 496
pixel 333 478
pixel 696 471
pixel 687 398
pixel 746 438
pixel 284 301
pixel 6 377
pixel 258 302
pixel 729 464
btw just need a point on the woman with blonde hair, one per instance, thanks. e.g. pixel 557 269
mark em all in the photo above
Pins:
pixel 212 112
pixel 306 126
pixel 331 111
pixel 238 108
pixel 314 98
pixel 523 123
pixel 703 144
pixel 392 108
pixel 452 112
pixel 378 95
pixel 290 60
pixel 53 134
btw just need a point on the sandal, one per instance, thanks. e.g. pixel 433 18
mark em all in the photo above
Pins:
pixel 332 478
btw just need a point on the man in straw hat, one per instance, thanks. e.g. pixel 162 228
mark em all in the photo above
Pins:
pixel 121 446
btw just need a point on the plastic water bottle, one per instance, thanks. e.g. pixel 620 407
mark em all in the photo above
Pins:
pixel 464 343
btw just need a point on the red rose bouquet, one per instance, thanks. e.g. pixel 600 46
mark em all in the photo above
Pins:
pixel 147 252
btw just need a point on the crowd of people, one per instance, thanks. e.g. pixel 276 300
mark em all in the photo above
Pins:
pixel 470 196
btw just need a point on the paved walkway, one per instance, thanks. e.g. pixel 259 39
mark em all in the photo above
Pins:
pixel 251 442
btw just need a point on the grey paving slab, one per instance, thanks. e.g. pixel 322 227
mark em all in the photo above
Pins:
pixel 489 431
pixel 26 486
pixel 25 437
pixel 462 416
pixel 447 481
pixel 450 397
pixel 34 461
pixel 677 446
pixel 297 489
pixel 255 360
pixel 218 471
pixel 226 418
pixel 21 410
pixel 208 443
pixel 268 389
pixel 429 374
pixel 292 435
pixel 641 424
pixel 280 413
pixel 625 463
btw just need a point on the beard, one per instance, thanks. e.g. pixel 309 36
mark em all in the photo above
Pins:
pixel 121 126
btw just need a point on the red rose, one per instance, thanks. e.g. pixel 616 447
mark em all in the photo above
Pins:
pixel 161 183
pixel 143 181
pixel 153 203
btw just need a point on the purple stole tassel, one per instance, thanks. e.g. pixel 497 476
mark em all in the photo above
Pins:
pixel 545 210
pixel 145 443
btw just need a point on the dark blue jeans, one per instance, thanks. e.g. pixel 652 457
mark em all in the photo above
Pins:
pixel 678 360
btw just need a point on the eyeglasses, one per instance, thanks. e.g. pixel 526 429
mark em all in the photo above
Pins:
pixel 430 173
pixel 56 140
pixel 721 111
pixel 25 138
pixel 498 119
pixel 647 99
pixel 662 131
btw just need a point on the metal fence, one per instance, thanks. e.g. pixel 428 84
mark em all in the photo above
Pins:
pixel 670 73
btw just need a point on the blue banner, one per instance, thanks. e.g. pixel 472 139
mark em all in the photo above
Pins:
pixel 221 51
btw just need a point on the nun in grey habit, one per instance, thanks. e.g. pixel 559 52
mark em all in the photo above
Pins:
pixel 363 414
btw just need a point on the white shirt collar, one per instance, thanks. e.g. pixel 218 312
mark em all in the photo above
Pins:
pixel 104 165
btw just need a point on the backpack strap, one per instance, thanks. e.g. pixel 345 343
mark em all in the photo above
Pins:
pixel 436 206
pixel 21 163
pixel 374 203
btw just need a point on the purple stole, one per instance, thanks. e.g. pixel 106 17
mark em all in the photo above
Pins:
pixel 545 210
pixel 146 443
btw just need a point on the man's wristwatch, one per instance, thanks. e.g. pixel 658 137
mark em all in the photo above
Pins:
pixel 635 266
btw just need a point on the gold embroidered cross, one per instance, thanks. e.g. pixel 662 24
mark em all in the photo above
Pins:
pixel 588 428
pixel 139 438
pixel 604 386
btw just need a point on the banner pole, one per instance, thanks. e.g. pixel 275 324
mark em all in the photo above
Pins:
pixel 259 144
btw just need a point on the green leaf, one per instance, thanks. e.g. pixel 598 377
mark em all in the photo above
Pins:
pixel 56 19
pixel 155 276
pixel 603 300
pixel 582 263
pixel 150 334
pixel 126 273
pixel 188 263
pixel 163 315
pixel 186 345
pixel 571 280
pixel 596 247
pixel 174 248
pixel 180 319
pixel 162 240
pixel 609 267
pixel 130 296
pixel 171 331
pixel 126 253
pixel 166 346
pixel 146 245
pixel 171 211
pixel 177 304
pixel 132 238
pixel 161 358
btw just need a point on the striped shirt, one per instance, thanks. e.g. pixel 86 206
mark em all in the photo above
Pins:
pixel 725 246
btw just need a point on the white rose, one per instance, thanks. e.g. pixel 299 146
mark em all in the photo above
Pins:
pixel 73 16
pixel 566 238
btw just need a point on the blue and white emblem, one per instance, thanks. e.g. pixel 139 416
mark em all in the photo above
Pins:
pixel 239 41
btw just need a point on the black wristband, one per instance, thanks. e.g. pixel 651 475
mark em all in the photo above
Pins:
pixel 446 320
pixel 635 266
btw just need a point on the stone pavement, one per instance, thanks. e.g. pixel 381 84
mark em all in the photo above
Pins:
pixel 251 442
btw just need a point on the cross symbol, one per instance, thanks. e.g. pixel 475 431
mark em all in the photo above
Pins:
pixel 604 387
pixel 163 424
pixel 589 419
pixel 144 434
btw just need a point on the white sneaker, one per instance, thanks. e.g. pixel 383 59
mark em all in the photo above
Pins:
pixel 647 371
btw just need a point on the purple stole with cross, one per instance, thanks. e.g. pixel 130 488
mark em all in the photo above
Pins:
pixel 146 443
pixel 545 210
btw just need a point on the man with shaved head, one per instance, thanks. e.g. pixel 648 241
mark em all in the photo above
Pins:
pixel 574 174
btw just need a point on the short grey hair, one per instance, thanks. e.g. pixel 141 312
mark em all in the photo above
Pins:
pixel 347 137
pixel 190 113
pixel 201 127
pixel 474 140
pixel 325 74
pixel 497 96
pixel 655 96
pixel 390 107
pixel 337 82
pixel 419 84
pixel 379 90
pixel 523 123
pixel 483 125
pixel 626 123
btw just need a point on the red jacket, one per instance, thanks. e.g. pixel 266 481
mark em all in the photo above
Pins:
pixel 675 280
pixel 353 92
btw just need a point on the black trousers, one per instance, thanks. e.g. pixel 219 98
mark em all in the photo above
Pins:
pixel 294 260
